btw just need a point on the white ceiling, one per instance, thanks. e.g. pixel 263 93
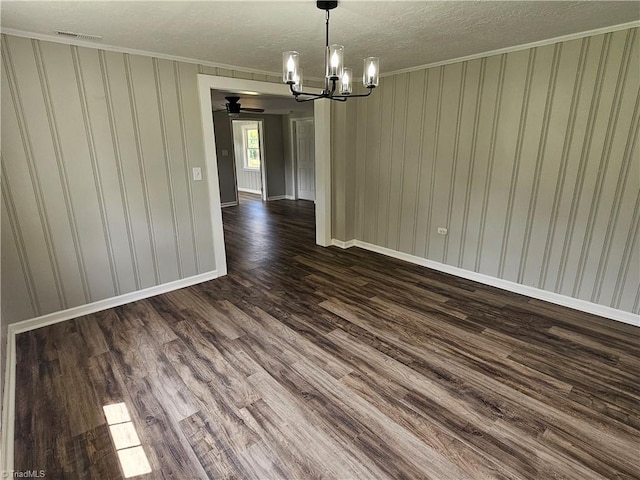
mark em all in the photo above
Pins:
pixel 253 34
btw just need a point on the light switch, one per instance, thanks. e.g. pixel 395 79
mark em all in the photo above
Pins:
pixel 197 173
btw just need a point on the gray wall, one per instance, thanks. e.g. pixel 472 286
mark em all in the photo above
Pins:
pixel 226 169
pixel 274 155
pixel 274 149
pixel 530 159
pixel 247 179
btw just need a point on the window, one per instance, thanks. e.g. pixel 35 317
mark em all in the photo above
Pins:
pixel 251 139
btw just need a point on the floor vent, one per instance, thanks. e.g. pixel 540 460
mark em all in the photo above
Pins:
pixel 80 36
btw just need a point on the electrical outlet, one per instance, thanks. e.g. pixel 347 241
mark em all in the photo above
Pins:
pixel 197 173
pixel 442 231
pixel 225 153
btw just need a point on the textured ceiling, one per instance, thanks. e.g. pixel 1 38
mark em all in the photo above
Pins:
pixel 252 34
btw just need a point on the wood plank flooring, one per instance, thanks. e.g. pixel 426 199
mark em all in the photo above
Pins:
pixel 308 362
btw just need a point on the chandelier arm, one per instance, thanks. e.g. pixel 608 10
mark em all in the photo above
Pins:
pixel 296 93
pixel 359 95
pixel 311 99
pixel 326 94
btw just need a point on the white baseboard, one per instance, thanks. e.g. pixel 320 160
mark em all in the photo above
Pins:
pixel 341 244
pixel 290 197
pixel 277 197
pixel 248 190
pixel 551 297
pixel 8 410
pixel 8 406
pixel 229 204
pixel 81 310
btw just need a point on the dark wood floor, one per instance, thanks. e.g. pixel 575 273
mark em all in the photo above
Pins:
pixel 308 362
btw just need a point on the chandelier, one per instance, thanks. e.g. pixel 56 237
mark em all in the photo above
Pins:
pixel 338 81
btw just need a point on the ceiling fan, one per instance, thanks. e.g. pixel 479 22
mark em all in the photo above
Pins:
pixel 234 108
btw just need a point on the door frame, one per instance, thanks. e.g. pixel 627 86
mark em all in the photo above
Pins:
pixel 293 132
pixel 263 155
pixel 322 126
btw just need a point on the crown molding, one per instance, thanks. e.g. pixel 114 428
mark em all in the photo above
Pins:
pixel 132 51
pixel 515 48
pixel 475 56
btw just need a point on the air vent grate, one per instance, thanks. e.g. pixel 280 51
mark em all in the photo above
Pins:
pixel 80 36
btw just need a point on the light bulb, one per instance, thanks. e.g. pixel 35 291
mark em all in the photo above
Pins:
pixel 291 66
pixel 371 71
pixel 335 60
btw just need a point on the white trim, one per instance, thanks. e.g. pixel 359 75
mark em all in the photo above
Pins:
pixel 68 314
pixel 277 197
pixel 339 243
pixel 294 157
pixel 322 126
pixel 229 204
pixel 211 162
pixel 248 190
pixel 516 48
pixel 263 160
pixel 132 51
pixel 8 411
pixel 556 298
pixel 289 197
pixel 8 405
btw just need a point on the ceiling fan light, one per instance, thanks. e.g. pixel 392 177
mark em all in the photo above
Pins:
pixel 370 74
pixel 290 66
pixel 335 61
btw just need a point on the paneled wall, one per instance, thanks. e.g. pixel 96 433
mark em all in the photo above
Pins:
pixel 97 151
pixel 529 159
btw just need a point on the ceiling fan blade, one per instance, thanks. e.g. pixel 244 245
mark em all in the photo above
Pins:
pixel 256 110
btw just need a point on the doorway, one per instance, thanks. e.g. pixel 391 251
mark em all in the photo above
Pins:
pixel 249 156
pixel 322 123
pixel 302 133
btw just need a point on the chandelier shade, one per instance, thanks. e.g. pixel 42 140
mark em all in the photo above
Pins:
pixel 345 82
pixel 370 71
pixel 338 81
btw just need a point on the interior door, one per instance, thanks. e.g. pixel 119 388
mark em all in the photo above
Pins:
pixel 305 157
